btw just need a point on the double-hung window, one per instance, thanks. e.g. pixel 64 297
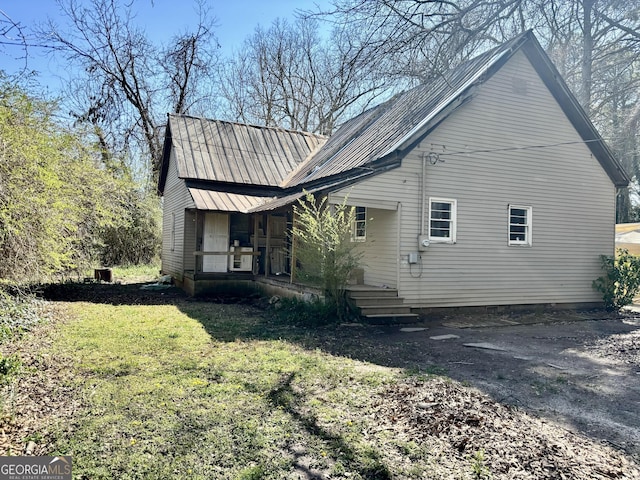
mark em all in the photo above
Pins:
pixel 520 222
pixel 359 228
pixel 442 220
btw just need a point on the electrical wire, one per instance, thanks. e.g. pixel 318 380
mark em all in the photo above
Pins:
pixel 510 149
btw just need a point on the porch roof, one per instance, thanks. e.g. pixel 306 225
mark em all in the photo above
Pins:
pixel 224 201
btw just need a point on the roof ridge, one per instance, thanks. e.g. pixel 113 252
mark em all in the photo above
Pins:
pixel 240 124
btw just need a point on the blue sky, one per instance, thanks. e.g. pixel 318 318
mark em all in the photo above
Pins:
pixel 236 19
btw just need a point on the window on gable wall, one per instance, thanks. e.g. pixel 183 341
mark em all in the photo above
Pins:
pixel 442 220
pixel 520 222
pixel 359 228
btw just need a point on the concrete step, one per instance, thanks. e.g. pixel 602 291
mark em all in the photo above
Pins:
pixel 390 319
pixel 366 310
pixel 362 301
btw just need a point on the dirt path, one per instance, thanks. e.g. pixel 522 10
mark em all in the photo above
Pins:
pixel 584 375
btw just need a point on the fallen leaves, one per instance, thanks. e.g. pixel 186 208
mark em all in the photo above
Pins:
pixel 515 445
pixel 41 401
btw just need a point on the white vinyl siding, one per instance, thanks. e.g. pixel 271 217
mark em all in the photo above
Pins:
pixel 520 225
pixel 176 200
pixel 485 169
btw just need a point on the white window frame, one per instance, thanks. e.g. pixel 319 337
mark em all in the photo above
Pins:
pixel 528 226
pixel 359 221
pixel 453 221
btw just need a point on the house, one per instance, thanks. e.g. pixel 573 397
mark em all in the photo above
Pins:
pixel 488 186
pixel 628 237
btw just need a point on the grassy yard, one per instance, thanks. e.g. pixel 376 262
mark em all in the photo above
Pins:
pixel 164 387
pixel 188 393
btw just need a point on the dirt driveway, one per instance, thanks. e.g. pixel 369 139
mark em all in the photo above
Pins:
pixel 581 372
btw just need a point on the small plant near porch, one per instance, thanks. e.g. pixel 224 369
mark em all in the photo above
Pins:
pixel 325 254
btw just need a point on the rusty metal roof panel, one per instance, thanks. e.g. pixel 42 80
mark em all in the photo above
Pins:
pixel 229 152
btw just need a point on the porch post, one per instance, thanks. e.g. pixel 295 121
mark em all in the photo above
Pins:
pixel 292 258
pixel 267 260
pixel 255 261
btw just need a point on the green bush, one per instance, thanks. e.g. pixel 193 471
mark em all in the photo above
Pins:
pixel 325 254
pixel 621 280
pixel 137 238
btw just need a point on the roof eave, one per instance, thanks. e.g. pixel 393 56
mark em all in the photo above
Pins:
pixel 166 156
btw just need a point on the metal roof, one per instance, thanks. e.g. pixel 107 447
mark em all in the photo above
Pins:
pixel 396 124
pixel 285 162
pixel 384 129
pixel 215 150
pixel 225 202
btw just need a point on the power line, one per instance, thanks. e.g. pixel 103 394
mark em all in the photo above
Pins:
pixel 511 149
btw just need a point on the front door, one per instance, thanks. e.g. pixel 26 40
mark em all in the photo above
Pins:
pixel 216 239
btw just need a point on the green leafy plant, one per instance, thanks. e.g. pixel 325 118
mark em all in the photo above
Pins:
pixel 65 203
pixel 621 280
pixel 323 247
pixel 478 468
pixel 9 367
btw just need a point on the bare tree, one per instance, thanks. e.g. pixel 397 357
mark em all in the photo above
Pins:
pixel 125 93
pixel 289 76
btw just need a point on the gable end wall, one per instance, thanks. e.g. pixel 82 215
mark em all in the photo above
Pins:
pixel 176 200
pixel 496 151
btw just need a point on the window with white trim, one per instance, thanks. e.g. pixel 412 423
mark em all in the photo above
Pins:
pixel 520 222
pixel 442 220
pixel 359 227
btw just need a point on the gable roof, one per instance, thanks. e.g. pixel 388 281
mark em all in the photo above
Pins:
pixel 239 159
pixel 379 136
pixel 233 153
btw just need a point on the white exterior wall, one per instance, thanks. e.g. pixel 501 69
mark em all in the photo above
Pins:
pixel 572 197
pixel 176 200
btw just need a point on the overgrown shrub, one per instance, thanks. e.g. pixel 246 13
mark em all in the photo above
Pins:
pixel 137 239
pixel 323 248
pixel 621 280
pixel 64 201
